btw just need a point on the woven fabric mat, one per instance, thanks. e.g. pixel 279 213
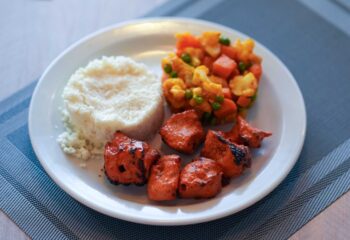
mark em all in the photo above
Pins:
pixel 316 52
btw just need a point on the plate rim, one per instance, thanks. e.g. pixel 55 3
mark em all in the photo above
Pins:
pixel 169 222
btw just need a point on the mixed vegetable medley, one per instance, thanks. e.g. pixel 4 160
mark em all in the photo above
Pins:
pixel 208 73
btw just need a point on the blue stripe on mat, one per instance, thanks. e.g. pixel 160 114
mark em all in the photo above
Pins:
pixel 16 109
pixel 320 176
pixel 21 95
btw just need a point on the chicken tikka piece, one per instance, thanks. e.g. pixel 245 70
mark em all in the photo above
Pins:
pixel 233 158
pixel 128 161
pixel 164 178
pixel 200 178
pixel 183 131
pixel 245 134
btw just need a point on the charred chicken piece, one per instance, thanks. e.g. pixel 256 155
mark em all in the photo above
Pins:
pixel 231 157
pixel 183 131
pixel 164 178
pixel 128 161
pixel 200 179
pixel 244 133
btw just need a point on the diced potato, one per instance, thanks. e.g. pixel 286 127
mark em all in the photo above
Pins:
pixel 244 49
pixel 210 43
pixel 177 92
pixel 214 88
pixel 244 85
pixel 200 78
pixel 183 70
pixel 174 91
pixel 200 73
pixel 197 91
pixel 170 82
pixel 197 55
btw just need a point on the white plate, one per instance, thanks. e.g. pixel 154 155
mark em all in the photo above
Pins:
pixel 280 109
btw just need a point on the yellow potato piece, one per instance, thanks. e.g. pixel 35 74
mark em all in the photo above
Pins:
pixel 244 85
pixel 174 91
pixel 200 78
pixel 210 42
pixel 244 48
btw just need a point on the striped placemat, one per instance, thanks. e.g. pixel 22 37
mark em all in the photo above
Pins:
pixel 318 54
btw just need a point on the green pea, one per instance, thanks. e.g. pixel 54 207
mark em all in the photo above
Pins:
pixel 198 99
pixel 225 41
pixel 173 74
pixel 219 99
pixel 186 58
pixel 168 68
pixel 188 94
pixel 216 105
pixel 243 66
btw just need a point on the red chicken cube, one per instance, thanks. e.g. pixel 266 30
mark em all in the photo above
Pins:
pixel 164 178
pixel 231 157
pixel 183 131
pixel 200 179
pixel 244 133
pixel 128 161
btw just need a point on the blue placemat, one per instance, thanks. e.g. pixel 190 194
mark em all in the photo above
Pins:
pixel 317 53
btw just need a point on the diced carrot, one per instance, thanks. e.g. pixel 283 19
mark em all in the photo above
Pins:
pixel 244 101
pixel 228 107
pixel 219 80
pixel 256 69
pixel 227 93
pixel 208 62
pixel 223 66
pixel 235 73
pixel 229 51
pixel 187 40
pixel 255 58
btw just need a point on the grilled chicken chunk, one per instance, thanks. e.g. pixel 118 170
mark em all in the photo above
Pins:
pixel 200 179
pixel 164 178
pixel 183 131
pixel 231 157
pixel 244 133
pixel 128 161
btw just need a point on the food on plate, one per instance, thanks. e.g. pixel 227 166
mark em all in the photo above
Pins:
pixel 164 178
pixel 109 94
pixel 128 161
pixel 233 158
pixel 209 74
pixel 243 133
pixel 200 179
pixel 117 103
pixel 183 131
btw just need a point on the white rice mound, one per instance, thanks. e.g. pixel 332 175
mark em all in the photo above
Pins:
pixel 109 94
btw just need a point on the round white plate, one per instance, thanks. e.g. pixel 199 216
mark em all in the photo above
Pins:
pixel 279 109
